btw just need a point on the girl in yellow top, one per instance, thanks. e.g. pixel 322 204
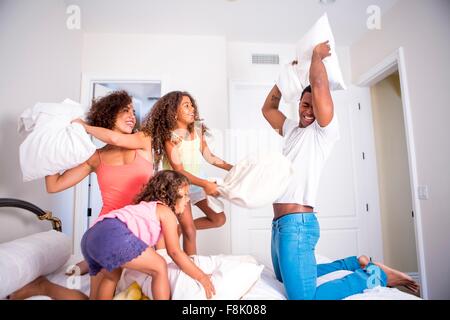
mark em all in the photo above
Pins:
pixel 181 145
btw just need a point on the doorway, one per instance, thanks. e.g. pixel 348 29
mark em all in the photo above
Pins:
pixel 396 208
pixel 398 189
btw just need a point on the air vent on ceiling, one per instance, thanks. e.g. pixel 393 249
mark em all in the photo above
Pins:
pixel 265 59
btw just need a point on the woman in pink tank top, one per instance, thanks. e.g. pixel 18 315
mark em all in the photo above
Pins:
pixel 119 184
pixel 123 166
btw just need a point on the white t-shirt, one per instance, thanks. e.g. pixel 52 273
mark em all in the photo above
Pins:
pixel 308 149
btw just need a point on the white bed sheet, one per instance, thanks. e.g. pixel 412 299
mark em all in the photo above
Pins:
pixel 269 288
pixel 266 288
pixel 59 277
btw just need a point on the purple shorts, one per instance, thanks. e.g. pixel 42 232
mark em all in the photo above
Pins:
pixel 109 244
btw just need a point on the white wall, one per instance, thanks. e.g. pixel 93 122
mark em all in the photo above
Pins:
pixel 40 60
pixel 240 67
pixel 399 247
pixel 422 28
pixel 195 64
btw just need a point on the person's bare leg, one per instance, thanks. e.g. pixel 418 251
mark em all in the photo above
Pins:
pixel 152 263
pixel 42 287
pixel 82 266
pixel 94 285
pixel 108 284
pixel 395 277
pixel 189 231
pixel 212 219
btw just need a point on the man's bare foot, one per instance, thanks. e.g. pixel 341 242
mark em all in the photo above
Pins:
pixel 363 261
pixel 34 288
pixel 397 278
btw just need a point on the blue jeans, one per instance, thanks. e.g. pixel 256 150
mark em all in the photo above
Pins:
pixel 294 239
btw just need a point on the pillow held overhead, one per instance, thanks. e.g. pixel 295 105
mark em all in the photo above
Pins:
pixel 294 78
pixel 320 32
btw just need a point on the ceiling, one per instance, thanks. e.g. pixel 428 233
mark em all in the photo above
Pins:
pixel 279 21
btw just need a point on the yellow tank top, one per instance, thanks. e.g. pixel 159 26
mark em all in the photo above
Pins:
pixel 189 154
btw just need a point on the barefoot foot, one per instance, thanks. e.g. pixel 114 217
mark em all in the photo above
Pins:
pixel 397 278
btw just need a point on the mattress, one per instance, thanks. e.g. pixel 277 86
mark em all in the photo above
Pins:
pixel 266 288
pixel 269 288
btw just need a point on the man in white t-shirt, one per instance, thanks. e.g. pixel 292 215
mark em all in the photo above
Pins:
pixel 295 229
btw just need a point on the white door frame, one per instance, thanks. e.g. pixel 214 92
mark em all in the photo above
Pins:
pixel 81 189
pixel 392 63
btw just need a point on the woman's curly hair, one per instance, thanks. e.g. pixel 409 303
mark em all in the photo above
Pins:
pixel 164 187
pixel 161 121
pixel 104 111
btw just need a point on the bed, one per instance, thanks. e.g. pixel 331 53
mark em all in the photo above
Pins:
pixel 264 287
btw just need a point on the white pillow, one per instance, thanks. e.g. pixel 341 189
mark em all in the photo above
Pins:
pixel 232 277
pixel 54 145
pixel 320 32
pixel 289 84
pixel 41 112
pixel 23 260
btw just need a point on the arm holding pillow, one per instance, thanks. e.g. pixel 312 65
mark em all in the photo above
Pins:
pixel 320 89
pixel 181 259
pixel 213 159
pixel 59 182
pixel 138 140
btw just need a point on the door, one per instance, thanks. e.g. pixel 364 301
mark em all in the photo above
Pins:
pixel 95 202
pixel 341 196
pixel 250 133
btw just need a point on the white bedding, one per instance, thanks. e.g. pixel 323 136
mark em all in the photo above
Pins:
pixel 269 288
pixel 59 277
pixel 266 288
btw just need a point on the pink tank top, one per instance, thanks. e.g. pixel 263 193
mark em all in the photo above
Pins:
pixel 119 185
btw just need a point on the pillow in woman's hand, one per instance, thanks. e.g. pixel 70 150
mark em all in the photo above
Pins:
pixel 55 144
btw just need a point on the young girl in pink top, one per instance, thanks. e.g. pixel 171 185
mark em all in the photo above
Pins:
pixel 124 238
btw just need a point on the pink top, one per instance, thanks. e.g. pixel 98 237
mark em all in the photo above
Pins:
pixel 119 185
pixel 140 218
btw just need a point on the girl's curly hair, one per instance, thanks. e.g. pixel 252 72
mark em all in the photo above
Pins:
pixel 164 187
pixel 104 111
pixel 161 121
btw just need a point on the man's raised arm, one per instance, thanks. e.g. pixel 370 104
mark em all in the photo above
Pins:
pixel 270 110
pixel 320 89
